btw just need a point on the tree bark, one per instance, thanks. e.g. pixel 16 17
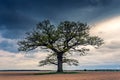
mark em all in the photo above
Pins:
pixel 60 64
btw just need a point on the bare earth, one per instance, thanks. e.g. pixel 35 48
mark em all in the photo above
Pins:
pixel 79 76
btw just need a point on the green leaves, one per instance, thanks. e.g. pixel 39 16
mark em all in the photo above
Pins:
pixel 70 62
pixel 95 41
pixel 52 59
pixel 61 39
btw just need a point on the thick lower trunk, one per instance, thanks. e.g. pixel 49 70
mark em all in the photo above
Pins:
pixel 60 65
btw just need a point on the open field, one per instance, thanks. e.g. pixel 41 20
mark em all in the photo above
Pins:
pixel 100 75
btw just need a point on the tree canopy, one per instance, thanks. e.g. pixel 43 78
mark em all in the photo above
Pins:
pixel 61 39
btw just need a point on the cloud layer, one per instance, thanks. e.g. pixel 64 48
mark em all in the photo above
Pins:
pixel 107 56
pixel 18 17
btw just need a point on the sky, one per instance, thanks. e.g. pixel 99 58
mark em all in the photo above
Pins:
pixel 20 16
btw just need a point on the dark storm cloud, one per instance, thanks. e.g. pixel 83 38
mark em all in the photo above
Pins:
pixel 6 46
pixel 19 16
pixel 13 24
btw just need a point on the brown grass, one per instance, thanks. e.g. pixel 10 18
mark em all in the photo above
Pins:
pixel 79 76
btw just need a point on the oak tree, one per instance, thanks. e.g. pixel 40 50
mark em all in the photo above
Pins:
pixel 63 39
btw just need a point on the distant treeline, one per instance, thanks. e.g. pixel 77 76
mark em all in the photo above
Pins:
pixel 69 70
pixel 25 70
pixel 99 70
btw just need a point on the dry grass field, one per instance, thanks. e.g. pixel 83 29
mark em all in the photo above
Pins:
pixel 78 76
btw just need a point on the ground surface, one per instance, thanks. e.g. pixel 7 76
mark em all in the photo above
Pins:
pixel 79 76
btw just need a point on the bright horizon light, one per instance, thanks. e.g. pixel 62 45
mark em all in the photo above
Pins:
pixel 109 29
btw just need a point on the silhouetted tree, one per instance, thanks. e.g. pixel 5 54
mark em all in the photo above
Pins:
pixel 61 40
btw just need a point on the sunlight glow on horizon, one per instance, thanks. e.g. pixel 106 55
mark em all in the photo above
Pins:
pixel 107 29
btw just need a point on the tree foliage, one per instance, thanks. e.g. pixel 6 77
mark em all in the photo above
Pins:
pixel 52 59
pixel 62 39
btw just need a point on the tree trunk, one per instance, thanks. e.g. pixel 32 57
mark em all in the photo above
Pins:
pixel 60 64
